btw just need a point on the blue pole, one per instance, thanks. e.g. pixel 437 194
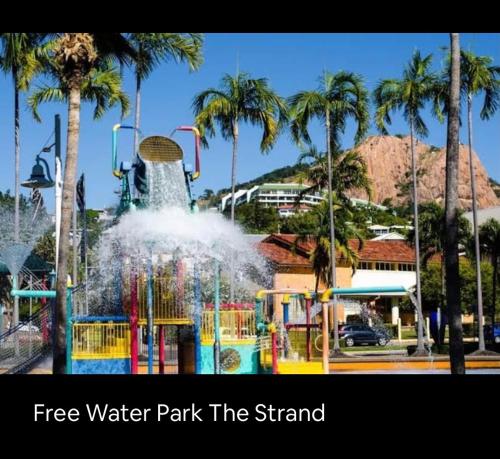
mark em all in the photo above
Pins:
pixel 52 284
pixel 198 311
pixel 365 290
pixel 33 293
pixel 118 291
pixel 285 313
pixel 216 318
pixel 150 314
pixel 69 330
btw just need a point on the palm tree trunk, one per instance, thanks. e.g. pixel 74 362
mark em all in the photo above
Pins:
pixel 233 189
pixel 481 346
pixel 137 123
pixel 137 120
pixel 122 71
pixel 494 299
pixel 441 324
pixel 233 168
pixel 333 261
pixel 60 363
pixel 420 325
pixel 457 360
pixel 17 154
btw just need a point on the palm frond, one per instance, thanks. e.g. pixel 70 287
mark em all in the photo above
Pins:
pixel 44 94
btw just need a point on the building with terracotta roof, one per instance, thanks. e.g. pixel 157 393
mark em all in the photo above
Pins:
pixel 381 263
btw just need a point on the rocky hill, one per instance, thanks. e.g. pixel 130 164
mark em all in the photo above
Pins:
pixel 388 159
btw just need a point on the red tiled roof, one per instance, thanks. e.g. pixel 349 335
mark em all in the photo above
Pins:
pixel 385 250
pixel 282 256
pixel 278 248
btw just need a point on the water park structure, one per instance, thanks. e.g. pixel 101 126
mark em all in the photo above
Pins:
pixel 162 268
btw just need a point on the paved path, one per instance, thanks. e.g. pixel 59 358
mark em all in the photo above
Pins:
pixel 484 371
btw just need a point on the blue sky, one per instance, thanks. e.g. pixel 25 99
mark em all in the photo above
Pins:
pixel 291 62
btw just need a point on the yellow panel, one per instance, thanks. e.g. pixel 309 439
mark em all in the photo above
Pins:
pixel 160 321
pixel 234 325
pixel 101 340
pixel 229 342
pixel 300 368
pixel 167 309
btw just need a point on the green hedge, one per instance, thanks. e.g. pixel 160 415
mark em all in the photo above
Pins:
pixel 392 330
pixel 469 330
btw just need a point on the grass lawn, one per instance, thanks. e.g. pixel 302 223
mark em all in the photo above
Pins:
pixel 408 333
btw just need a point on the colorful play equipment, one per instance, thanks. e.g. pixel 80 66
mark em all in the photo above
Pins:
pixel 153 297
pixel 290 350
pixel 349 291
pixel 212 338
pixel 152 149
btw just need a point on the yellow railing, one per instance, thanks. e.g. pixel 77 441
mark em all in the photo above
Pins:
pixel 266 357
pixel 101 340
pixel 297 340
pixel 167 308
pixel 234 325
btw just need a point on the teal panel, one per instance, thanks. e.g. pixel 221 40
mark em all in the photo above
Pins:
pixel 238 359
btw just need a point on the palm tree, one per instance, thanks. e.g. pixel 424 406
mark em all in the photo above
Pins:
pixel 489 236
pixel 478 76
pixel 18 57
pixel 102 86
pixel 457 360
pixel 432 235
pixel 339 97
pixel 240 98
pixel 410 94
pixel 154 48
pixel 320 239
pixel 74 57
pixel 349 172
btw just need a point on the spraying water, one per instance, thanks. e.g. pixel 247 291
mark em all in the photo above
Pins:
pixel 31 228
pixel 166 185
pixel 167 232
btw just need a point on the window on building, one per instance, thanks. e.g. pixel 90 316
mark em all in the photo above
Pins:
pixel 406 267
pixel 381 266
pixel 365 265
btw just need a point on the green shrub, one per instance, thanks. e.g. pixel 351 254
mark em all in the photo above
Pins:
pixel 469 330
pixel 392 330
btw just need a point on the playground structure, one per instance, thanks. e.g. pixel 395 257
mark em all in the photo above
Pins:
pixel 148 295
pixel 154 295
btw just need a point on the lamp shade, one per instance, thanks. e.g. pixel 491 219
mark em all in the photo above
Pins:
pixel 37 179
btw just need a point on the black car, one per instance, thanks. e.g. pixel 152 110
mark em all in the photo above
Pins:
pixel 354 334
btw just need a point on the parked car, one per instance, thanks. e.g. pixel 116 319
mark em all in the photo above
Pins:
pixel 354 334
pixel 496 332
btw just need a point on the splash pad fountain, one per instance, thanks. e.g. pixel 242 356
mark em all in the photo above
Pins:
pixel 160 267
pixel 160 274
pixel 21 340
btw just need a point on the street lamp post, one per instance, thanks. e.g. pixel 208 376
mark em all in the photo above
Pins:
pixel 59 182
pixel 38 179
